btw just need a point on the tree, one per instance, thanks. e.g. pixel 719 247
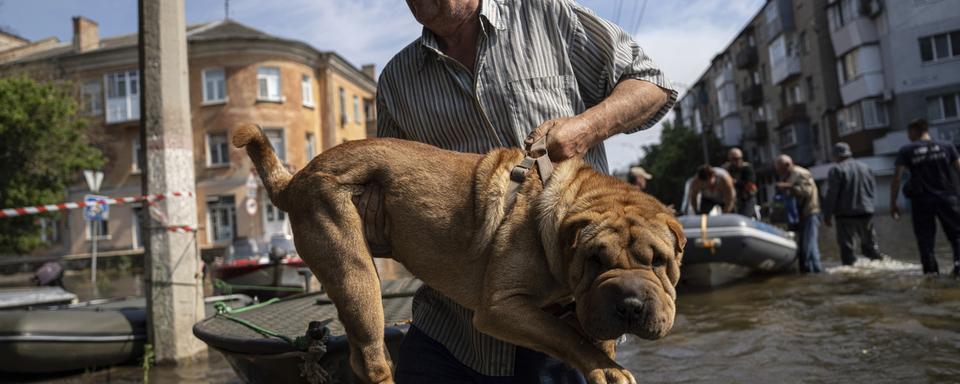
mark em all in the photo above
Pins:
pixel 675 159
pixel 43 147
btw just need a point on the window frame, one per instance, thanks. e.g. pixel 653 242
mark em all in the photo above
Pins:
pixel 281 151
pixel 136 151
pixel 928 47
pixel 262 74
pixel 215 205
pixel 92 104
pixel 941 102
pixel 204 79
pixel 224 160
pixel 311 146
pixel 103 235
pixel 306 91
pixel 788 131
pixel 130 98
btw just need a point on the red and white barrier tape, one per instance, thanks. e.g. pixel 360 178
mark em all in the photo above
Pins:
pixel 13 212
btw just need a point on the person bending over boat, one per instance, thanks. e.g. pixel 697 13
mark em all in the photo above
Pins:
pixel 797 182
pixel 715 188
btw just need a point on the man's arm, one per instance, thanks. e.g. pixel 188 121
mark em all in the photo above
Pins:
pixel 622 88
pixel 692 195
pixel 632 103
pixel 729 194
pixel 894 191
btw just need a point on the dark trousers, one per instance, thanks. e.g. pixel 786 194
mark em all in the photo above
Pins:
pixel 808 251
pixel 925 214
pixel 853 230
pixel 424 360
pixel 748 207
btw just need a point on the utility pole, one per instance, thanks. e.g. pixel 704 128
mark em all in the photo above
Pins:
pixel 172 276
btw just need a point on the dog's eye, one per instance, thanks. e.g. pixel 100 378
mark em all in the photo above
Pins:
pixel 659 261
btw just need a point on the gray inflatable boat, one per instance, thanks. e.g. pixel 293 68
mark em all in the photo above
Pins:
pixel 723 248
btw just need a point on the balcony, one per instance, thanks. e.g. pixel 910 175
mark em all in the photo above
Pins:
pixel 785 68
pixel 857 32
pixel 753 95
pixel 724 76
pixel 779 18
pixel 792 113
pixel 747 58
pixel 758 133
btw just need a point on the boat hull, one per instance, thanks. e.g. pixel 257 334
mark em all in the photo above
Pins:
pixel 740 247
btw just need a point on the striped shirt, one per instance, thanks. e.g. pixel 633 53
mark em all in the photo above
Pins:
pixel 537 60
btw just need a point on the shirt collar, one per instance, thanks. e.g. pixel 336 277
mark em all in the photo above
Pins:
pixel 489 16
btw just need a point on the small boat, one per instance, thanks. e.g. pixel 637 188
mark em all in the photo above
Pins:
pixel 724 248
pixel 93 334
pixel 23 297
pixel 261 270
pixel 299 339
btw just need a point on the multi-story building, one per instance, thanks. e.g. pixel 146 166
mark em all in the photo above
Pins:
pixel 307 100
pixel 772 90
pixel 896 61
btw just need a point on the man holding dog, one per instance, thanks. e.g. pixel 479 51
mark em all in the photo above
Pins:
pixel 487 74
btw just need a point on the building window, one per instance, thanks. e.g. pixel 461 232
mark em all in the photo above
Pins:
pixel 136 156
pixel 274 213
pixel 344 119
pixel 101 228
pixel 137 225
pixel 810 92
pixel 91 98
pixel 268 84
pixel 123 96
pixel 306 91
pixel 221 217
pixel 842 12
pixel 214 85
pixel 369 109
pixel 788 136
pixel 276 138
pixel 848 120
pixel 942 108
pixel 50 230
pixel 847 67
pixel 311 147
pixel 940 47
pixel 874 113
pixel 218 152
pixel 356 109
pixel 793 94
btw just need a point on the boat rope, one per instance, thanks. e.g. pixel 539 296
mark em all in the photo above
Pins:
pixel 301 343
pixel 228 288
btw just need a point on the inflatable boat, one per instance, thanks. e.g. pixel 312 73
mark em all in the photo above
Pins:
pixel 299 339
pixel 724 248
pixel 93 334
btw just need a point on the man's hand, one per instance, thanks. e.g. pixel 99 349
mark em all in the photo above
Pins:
pixel 783 185
pixel 567 137
pixel 895 211
pixel 374 217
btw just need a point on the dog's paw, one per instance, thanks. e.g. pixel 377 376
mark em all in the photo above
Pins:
pixel 611 376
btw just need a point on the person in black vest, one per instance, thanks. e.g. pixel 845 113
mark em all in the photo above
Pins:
pixel 744 182
pixel 933 190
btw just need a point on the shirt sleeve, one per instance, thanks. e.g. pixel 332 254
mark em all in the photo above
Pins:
pixel 386 125
pixel 603 54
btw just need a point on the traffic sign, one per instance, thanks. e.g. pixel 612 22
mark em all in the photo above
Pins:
pixel 251 205
pixel 94 179
pixel 94 211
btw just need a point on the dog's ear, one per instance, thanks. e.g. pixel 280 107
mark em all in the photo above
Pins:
pixel 677 230
pixel 570 230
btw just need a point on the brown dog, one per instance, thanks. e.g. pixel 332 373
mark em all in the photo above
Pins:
pixel 584 235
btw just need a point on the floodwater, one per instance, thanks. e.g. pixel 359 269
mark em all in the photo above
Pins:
pixel 876 322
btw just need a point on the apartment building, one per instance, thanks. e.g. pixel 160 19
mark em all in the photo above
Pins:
pixel 307 100
pixel 772 90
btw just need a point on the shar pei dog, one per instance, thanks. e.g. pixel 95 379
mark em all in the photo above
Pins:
pixel 581 236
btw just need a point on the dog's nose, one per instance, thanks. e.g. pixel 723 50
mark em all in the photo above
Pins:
pixel 630 309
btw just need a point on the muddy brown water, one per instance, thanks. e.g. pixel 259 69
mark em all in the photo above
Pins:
pixel 875 322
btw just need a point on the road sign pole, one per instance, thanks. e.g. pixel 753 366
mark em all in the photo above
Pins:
pixel 93 257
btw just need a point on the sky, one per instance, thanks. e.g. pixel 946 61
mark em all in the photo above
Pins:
pixel 680 35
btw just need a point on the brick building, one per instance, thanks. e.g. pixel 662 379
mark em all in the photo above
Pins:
pixel 307 100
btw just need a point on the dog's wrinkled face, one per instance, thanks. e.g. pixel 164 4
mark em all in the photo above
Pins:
pixel 624 266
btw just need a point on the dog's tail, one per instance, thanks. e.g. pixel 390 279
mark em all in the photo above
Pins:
pixel 273 173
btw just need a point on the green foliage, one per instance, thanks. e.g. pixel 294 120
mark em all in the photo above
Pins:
pixel 43 147
pixel 675 160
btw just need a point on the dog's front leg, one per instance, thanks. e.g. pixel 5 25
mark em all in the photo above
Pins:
pixel 517 319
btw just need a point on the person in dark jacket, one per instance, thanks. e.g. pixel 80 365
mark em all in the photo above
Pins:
pixel 933 190
pixel 744 182
pixel 850 186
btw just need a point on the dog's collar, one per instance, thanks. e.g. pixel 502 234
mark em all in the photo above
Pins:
pixel 536 156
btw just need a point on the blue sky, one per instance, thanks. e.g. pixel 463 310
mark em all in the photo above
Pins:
pixel 680 35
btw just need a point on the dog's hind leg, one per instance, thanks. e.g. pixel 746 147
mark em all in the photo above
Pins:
pixel 328 237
